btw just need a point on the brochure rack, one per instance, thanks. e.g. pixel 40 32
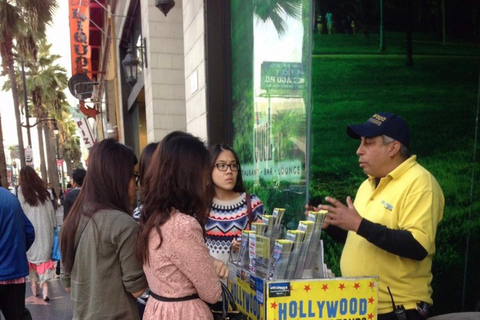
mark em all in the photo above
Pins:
pixel 328 298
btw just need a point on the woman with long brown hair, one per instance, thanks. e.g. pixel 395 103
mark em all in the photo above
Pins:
pixel 35 201
pixel 145 159
pixel 182 275
pixel 98 238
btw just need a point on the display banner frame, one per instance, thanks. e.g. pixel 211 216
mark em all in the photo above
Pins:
pixel 271 102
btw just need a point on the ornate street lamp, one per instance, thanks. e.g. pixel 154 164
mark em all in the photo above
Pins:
pixel 164 5
pixel 130 66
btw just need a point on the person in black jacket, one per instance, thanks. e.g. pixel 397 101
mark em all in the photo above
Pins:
pixel 78 176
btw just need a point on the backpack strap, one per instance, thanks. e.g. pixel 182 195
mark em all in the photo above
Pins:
pixel 249 210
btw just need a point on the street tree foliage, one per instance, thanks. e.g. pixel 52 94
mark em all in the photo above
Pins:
pixel 20 18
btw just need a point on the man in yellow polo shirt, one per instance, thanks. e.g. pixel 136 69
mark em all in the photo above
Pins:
pixel 389 230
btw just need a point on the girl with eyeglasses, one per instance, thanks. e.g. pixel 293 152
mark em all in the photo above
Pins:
pixel 231 211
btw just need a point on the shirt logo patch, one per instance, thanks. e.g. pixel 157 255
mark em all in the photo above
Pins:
pixel 387 205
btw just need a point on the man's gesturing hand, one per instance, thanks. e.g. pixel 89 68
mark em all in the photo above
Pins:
pixel 343 216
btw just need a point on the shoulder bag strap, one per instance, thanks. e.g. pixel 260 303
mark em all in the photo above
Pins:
pixel 227 299
pixel 249 210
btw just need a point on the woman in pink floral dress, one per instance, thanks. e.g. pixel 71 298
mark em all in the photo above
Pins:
pixel 181 274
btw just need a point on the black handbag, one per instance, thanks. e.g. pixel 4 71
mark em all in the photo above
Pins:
pixel 221 310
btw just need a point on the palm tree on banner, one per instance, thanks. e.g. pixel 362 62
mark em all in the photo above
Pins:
pixel 276 11
pixel 18 18
pixel 242 60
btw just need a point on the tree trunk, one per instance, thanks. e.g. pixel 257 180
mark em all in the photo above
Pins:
pixel 16 104
pixel 444 30
pixel 409 14
pixel 3 163
pixel 68 162
pixel 52 162
pixel 382 31
pixel 41 147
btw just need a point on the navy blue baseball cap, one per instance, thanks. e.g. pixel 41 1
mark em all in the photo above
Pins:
pixel 382 123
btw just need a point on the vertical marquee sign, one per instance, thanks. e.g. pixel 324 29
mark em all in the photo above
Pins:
pixel 79 15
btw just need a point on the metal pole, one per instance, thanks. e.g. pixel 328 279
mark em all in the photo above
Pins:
pixel 26 104
pixel 472 188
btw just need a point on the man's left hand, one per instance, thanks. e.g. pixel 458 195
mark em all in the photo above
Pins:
pixel 343 216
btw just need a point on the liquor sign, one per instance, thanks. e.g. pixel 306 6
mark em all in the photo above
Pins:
pixel 79 15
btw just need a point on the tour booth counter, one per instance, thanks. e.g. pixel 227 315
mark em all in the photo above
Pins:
pixel 327 298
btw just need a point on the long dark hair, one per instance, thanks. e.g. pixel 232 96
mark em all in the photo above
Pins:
pixel 34 189
pixel 177 178
pixel 110 167
pixel 145 159
pixel 215 151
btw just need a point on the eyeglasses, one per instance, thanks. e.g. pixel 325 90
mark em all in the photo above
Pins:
pixel 137 177
pixel 224 166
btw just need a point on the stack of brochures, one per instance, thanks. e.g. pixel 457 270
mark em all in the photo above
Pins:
pixel 298 256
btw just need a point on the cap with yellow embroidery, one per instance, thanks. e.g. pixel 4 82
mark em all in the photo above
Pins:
pixel 382 123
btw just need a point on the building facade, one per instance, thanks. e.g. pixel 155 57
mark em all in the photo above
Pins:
pixel 232 72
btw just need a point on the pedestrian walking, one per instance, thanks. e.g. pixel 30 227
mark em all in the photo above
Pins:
pixel 35 201
pixel 78 176
pixel 16 238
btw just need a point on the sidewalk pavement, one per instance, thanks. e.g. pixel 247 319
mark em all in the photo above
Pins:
pixel 58 308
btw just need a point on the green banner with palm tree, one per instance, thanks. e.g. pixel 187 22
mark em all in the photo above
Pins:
pixel 270 68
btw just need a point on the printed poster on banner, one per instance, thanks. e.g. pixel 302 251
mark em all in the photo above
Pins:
pixel 270 101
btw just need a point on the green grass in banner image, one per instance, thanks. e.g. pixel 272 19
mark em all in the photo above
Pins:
pixel 438 97
pixel 423 44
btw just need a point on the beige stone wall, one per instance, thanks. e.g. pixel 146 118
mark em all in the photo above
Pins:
pixel 174 81
pixel 195 87
pixel 164 77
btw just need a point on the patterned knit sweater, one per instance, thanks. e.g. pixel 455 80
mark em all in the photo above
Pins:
pixel 226 221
